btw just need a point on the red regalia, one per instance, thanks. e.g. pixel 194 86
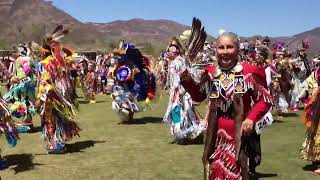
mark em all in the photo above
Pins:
pixel 244 79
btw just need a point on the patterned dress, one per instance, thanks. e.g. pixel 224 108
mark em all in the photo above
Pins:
pixel 311 145
pixel 252 87
pixel 180 114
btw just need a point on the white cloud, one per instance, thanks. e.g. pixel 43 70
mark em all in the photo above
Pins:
pixel 221 31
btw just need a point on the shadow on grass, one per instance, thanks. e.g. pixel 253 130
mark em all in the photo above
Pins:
pixel 196 141
pixel 100 102
pixel 79 146
pixel 290 114
pixel 262 175
pixel 21 162
pixel 83 102
pixel 87 102
pixel 35 130
pixel 278 121
pixel 144 120
pixel 311 167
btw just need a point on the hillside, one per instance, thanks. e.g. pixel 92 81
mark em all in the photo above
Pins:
pixel 27 20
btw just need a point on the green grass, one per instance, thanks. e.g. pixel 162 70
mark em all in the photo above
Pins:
pixel 107 151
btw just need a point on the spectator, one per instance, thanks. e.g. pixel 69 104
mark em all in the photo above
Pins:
pixel 266 41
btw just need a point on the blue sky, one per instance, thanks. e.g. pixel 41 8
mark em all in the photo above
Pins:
pixel 244 17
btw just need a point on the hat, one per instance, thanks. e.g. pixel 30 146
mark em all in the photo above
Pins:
pixel 185 36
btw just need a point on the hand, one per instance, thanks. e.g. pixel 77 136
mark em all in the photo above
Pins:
pixel 182 70
pixel 184 75
pixel 247 127
pixel 205 77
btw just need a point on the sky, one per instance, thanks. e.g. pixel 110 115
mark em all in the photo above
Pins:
pixel 243 17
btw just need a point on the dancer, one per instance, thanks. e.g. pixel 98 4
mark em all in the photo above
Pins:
pixel 8 129
pixel 185 123
pixel 285 81
pixel 134 81
pixel 21 95
pixel 311 145
pixel 57 113
pixel 232 120
pixel 90 84
pixel 180 112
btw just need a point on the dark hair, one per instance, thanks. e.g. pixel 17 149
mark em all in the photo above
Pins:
pixel 263 51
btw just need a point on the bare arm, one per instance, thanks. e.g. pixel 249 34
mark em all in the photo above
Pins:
pixel 210 136
pixel 211 132
pixel 238 126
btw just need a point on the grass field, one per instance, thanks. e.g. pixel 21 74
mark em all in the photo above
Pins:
pixel 142 150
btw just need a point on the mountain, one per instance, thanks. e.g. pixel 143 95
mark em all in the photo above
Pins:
pixel 27 20
pixel 31 20
pixel 144 32
pixel 312 36
pixel 139 29
pixel 294 42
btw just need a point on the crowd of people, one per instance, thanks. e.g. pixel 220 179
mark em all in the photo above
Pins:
pixel 43 80
pixel 246 83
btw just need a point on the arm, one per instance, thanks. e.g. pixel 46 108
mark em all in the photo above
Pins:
pixel 191 87
pixel 258 92
pixel 292 61
pixel 260 107
pixel 238 107
pixel 210 136
pixel 268 76
pixel 211 131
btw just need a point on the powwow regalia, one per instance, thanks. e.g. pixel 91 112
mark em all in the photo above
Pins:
pixel 21 95
pixel 284 78
pixel 7 129
pixel 90 83
pixel 311 145
pixel 162 71
pixel 301 68
pixel 231 87
pixel 53 95
pixel 134 81
pixel 185 123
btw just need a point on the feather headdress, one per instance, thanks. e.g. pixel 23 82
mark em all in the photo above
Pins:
pixel 54 37
pixel 193 39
